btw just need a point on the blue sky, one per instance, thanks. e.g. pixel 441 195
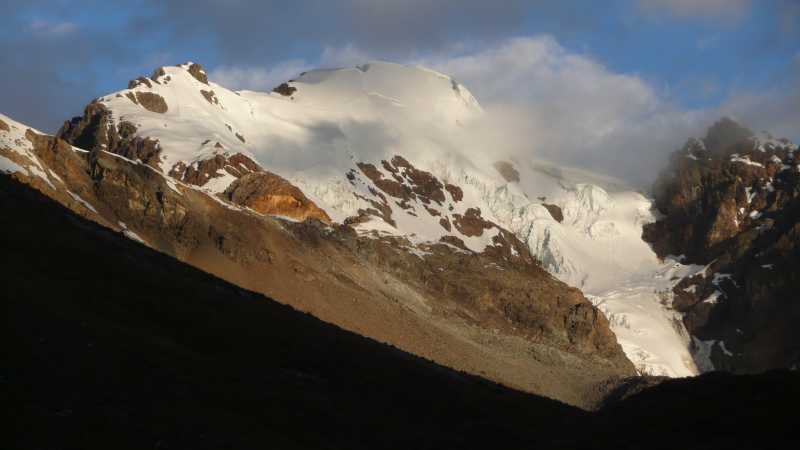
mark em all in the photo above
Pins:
pixel 741 56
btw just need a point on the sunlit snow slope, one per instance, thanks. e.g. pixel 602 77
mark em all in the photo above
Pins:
pixel 320 130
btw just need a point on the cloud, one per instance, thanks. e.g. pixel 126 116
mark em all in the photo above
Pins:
pixel 547 102
pixel 258 78
pixel 776 110
pixel 541 101
pixel 271 30
pixel 704 9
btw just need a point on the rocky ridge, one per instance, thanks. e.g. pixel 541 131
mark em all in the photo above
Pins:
pixel 731 204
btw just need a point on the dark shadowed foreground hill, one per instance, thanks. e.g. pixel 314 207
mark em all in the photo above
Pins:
pixel 113 345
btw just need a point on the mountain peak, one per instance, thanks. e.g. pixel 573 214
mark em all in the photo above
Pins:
pixel 725 133
pixel 392 84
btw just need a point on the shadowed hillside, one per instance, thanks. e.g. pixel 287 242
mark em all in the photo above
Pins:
pixel 113 345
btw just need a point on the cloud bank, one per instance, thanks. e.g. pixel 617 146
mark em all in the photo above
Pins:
pixel 542 101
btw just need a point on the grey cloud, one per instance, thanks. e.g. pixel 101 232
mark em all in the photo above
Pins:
pixel 269 30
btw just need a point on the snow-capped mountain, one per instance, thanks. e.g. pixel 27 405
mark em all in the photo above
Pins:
pixel 370 216
pixel 386 149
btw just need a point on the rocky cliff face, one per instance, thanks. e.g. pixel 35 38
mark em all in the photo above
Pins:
pixel 731 203
pixel 496 313
pixel 268 193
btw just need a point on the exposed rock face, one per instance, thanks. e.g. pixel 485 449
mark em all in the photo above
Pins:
pixel 4 126
pixel 141 81
pixel 423 184
pixel 285 90
pixel 152 102
pixel 554 211
pixel 407 183
pixel 455 192
pixel 201 172
pixel 95 131
pixel 732 202
pixel 471 223
pixel 196 70
pixel 507 170
pixel 268 193
pixel 210 97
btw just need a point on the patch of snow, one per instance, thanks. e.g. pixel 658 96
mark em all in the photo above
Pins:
pixel 713 299
pixel 750 194
pixel 133 236
pixel 745 160
pixel 702 354
pixel 83 202
pixel 9 166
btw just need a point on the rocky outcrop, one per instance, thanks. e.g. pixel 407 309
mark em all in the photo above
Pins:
pixel 423 184
pixel 268 193
pixel 4 126
pixel 201 172
pixel 471 223
pixel 210 97
pixel 141 81
pixel 731 202
pixel 285 90
pixel 407 184
pixel 555 212
pixel 152 102
pixel 95 131
pixel 455 192
pixel 197 71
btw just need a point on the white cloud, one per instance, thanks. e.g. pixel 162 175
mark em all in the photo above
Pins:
pixel 696 8
pixel 545 101
pixel 776 111
pixel 258 78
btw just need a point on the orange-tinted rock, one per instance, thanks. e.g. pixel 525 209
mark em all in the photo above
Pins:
pixel 268 193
